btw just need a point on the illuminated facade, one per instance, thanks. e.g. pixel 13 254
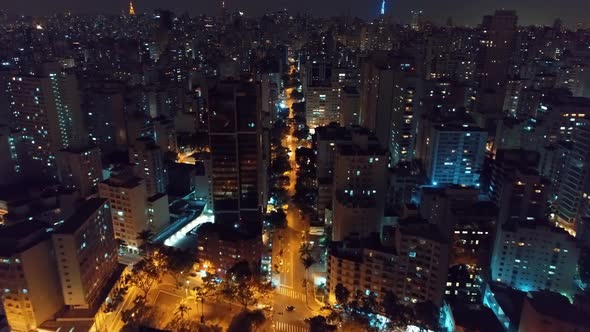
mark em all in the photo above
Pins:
pixel 128 198
pixel 87 253
pixel 47 110
pixel 80 169
pixel 359 188
pixel 529 256
pixel 149 157
pixel 573 188
pixel 322 106
pixel 11 149
pixel 236 152
pixel 31 287
pixel 455 154
pixel 412 263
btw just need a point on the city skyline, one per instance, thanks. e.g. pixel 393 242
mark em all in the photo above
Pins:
pixel 571 12
pixel 317 172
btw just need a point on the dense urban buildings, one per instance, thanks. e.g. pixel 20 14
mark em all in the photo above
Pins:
pixel 338 173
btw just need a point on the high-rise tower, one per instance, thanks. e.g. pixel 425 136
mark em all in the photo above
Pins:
pixel 131 9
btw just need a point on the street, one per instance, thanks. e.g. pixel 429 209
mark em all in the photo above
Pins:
pixel 291 290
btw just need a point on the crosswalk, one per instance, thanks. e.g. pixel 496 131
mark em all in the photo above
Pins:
pixel 290 293
pixel 286 327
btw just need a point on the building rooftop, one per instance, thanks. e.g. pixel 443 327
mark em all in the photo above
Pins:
pixel 83 212
pixel 557 306
pixel 457 127
pixel 482 319
pixel 514 225
pixel 156 197
pixel 509 299
pixel 82 149
pixel 21 236
pixel 418 227
pixel 124 182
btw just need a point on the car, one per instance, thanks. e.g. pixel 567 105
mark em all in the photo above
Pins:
pixel 290 308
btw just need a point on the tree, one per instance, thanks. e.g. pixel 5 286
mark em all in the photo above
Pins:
pixel 308 261
pixel 118 296
pixel 144 274
pixel 295 94
pixel 139 314
pixel 207 288
pixel 240 271
pixel 181 310
pixel 298 108
pixel 319 324
pixel 342 294
pixel 369 303
pixel 179 264
pixel 278 218
pixel 304 249
pixel 301 133
pixel 427 314
pixel 396 312
pixel 247 321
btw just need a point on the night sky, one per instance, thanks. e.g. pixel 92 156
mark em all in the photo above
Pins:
pixel 463 11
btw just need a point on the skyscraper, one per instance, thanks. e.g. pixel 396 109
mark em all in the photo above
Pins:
pixel 11 148
pixel 573 203
pixel 80 169
pixel 46 109
pixel 496 45
pixel 87 253
pixel 236 153
pixel 128 198
pixel 390 92
pixel 358 196
pixel 148 156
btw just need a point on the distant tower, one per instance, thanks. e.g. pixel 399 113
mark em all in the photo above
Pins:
pixel 383 7
pixel 131 9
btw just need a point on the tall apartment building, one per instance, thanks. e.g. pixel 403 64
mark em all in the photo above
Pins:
pixel 350 107
pixel 86 253
pixel 359 188
pixel 496 47
pixel 532 256
pixel 164 134
pixel 31 286
pixel 573 188
pixel 388 93
pixel 236 152
pixel 128 198
pixel 149 157
pixel 46 108
pixel 80 169
pixel 11 148
pixel 517 188
pixel 322 105
pixel 411 261
pixel 224 248
pixel 105 117
pixel 455 154
pixel 328 138
pixel 408 96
